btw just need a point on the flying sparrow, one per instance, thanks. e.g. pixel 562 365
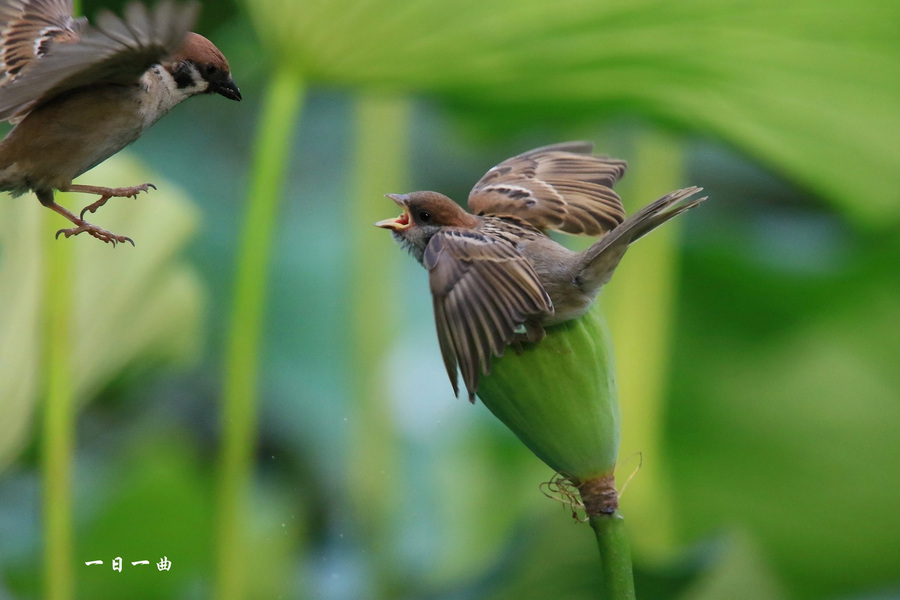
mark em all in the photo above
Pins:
pixel 79 93
pixel 496 277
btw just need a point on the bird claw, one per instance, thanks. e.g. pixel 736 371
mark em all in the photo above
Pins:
pixel 131 192
pixel 97 232
pixel 92 208
pixel 107 193
pixel 532 334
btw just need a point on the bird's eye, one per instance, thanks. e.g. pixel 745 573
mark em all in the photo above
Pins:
pixel 211 69
pixel 424 216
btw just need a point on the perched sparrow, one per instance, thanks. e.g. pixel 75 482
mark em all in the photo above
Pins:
pixel 496 277
pixel 78 94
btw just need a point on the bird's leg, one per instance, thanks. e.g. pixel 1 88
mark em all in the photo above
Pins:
pixel 106 193
pixel 533 333
pixel 81 225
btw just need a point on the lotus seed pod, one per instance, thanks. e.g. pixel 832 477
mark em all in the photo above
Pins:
pixel 559 397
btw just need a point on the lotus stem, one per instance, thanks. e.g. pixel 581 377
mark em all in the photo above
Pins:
pixel 280 113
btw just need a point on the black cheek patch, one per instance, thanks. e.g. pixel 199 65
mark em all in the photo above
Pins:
pixel 182 76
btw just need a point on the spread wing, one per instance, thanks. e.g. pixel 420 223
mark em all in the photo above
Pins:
pixel 483 290
pixel 116 50
pixel 27 30
pixel 562 187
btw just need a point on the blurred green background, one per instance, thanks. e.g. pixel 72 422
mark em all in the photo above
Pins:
pixel 255 391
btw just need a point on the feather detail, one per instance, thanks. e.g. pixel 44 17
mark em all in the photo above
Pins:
pixel 118 50
pixel 561 187
pixel 598 262
pixel 483 291
pixel 29 29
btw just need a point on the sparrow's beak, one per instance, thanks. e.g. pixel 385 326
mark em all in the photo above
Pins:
pixel 403 221
pixel 226 88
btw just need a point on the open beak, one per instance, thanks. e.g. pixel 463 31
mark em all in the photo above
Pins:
pixel 227 89
pixel 403 221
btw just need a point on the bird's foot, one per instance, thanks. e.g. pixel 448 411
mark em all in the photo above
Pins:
pixel 107 193
pixel 97 232
pixel 532 334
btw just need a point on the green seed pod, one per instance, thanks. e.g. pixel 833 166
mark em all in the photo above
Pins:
pixel 559 397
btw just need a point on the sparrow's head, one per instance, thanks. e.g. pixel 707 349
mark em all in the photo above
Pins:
pixel 200 68
pixel 424 214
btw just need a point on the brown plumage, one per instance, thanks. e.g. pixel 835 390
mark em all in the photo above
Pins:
pixel 561 187
pixel 80 93
pixel 496 277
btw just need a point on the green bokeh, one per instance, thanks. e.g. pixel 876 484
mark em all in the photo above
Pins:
pixel 774 434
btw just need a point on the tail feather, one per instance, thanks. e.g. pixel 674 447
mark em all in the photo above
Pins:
pixel 600 260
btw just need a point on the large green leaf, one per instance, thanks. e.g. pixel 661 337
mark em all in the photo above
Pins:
pixel 809 88
pixel 129 306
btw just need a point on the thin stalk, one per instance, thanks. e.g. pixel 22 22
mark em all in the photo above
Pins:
pixel 58 419
pixel 280 113
pixel 615 556
pixel 601 503
pixel 382 153
pixel 640 301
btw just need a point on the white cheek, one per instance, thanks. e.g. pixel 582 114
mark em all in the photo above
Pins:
pixel 161 94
